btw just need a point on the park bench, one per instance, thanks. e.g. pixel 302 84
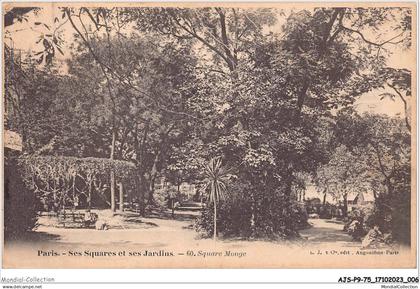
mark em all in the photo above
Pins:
pixel 75 219
pixel 190 206
pixel 133 206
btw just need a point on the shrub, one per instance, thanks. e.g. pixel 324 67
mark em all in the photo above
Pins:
pixel 254 213
pixel 391 212
pixel 392 215
pixel 326 211
pixel 233 219
pixel 359 222
pixel 401 219
pixel 20 203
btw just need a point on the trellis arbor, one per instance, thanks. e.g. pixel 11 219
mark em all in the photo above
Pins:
pixel 62 182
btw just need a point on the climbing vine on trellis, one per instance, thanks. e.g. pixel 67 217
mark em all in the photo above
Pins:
pixel 60 181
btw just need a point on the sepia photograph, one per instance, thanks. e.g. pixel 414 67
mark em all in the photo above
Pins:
pixel 209 135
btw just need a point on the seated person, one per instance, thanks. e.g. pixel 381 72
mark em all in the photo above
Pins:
pixel 89 218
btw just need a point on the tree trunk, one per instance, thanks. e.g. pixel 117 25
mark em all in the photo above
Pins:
pixel 112 187
pixel 143 189
pixel 345 205
pixel 121 194
pixel 74 192
pixel 253 211
pixel 375 195
pixel 140 178
pixel 151 189
pixel 153 174
pixel 214 218
pixel 140 193
pixel 288 180
pixel 231 61
pixel 112 181
pixel 173 207
pixel 89 198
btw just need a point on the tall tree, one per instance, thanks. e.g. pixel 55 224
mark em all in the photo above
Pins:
pixel 150 110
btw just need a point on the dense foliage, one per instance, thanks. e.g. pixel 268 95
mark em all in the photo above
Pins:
pixel 158 92
pixel 20 203
pixel 250 214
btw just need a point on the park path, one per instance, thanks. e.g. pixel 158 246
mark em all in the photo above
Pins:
pixel 161 231
pixel 326 232
pixel 156 231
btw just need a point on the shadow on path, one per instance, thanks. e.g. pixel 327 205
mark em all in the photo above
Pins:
pixel 327 231
pixel 34 237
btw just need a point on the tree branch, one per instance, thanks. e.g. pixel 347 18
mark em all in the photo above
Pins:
pixel 389 41
pixel 202 40
pixel 407 123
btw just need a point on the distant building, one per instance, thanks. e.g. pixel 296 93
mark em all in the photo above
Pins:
pixel 312 192
pixel 358 200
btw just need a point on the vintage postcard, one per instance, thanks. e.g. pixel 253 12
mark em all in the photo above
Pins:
pixel 209 135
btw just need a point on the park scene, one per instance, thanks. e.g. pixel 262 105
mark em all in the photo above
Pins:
pixel 246 127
